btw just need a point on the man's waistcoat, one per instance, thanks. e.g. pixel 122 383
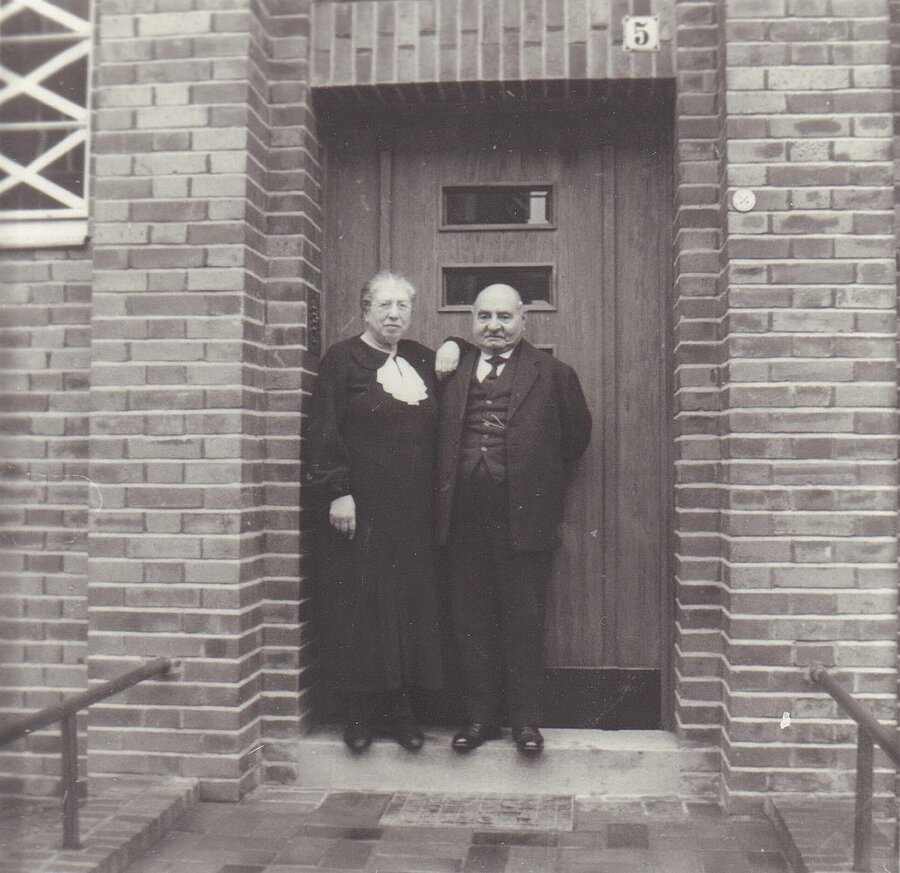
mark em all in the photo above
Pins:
pixel 484 423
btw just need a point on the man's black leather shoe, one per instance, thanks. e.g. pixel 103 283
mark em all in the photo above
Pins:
pixel 528 739
pixel 358 736
pixel 473 735
pixel 409 735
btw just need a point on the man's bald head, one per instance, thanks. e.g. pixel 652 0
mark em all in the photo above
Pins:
pixel 498 318
pixel 498 293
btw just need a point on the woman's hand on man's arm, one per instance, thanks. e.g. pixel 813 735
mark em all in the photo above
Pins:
pixel 447 359
pixel 342 515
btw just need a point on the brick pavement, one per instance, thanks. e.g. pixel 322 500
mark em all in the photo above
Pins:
pixel 817 835
pixel 290 830
pixel 119 819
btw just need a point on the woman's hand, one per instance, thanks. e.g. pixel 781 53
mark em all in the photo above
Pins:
pixel 447 359
pixel 342 515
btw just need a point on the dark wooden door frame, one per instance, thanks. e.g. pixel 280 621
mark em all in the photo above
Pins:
pixel 372 109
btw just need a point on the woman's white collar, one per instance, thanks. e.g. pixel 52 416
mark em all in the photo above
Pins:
pixel 400 379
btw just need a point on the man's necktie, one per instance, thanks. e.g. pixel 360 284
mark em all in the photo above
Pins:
pixel 495 361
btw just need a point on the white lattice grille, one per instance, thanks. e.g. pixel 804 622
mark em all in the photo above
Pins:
pixel 44 54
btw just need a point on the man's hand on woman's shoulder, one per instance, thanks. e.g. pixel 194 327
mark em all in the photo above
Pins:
pixel 447 359
pixel 342 515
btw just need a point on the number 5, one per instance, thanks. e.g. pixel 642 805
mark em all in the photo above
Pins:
pixel 641 37
pixel 640 34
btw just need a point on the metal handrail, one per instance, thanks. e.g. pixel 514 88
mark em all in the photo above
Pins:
pixel 66 712
pixel 869 731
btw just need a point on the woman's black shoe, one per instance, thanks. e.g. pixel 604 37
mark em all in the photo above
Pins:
pixel 357 736
pixel 409 735
pixel 406 730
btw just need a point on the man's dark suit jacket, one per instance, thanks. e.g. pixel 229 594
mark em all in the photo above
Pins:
pixel 549 424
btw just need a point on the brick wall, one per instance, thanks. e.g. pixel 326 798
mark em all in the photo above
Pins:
pixel 45 297
pixel 810 524
pixel 385 42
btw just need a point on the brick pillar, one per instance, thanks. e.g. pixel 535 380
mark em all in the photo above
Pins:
pixel 894 7
pixel 810 520
pixel 700 304
pixel 186 328
pixel 284 218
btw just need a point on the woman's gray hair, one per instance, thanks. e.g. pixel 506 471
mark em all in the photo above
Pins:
pixel 383 278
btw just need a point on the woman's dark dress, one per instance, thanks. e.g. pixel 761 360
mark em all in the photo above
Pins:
pixel 376 600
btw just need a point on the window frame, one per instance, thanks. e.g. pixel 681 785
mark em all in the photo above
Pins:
pixel 444 227
pixel 443 306
pixel 45 227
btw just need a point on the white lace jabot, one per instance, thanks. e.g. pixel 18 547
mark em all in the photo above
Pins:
pixel 399 379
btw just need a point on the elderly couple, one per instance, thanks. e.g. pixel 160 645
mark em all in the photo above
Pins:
pixel 462 452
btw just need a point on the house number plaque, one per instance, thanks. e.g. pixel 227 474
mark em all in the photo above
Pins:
pixel 640 33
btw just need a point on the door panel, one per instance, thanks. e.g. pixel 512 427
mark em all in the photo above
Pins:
pixel 608 247
pixel 640 406
pixel 352 195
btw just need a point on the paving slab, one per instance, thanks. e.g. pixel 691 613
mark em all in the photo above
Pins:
pixel 516 811
pixel 358 831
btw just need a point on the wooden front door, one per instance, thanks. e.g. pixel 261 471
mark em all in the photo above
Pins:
pixel 573 209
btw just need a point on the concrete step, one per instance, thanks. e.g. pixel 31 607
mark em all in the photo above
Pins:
pixel 613 763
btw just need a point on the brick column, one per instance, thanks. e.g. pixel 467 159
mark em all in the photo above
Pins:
pixel 700 304
pixel 188 332
pixel 894 7
pixel 810 520
pixel 284 240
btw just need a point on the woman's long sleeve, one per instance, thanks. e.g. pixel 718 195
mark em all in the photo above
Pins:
pixel 329 470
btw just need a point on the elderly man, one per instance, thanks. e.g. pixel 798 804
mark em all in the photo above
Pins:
pixel 511 416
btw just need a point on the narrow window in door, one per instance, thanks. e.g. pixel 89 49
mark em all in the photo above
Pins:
pixel 492 206
pixel 534 282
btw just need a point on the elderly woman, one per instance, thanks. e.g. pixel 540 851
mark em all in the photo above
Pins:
pixel 372 426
